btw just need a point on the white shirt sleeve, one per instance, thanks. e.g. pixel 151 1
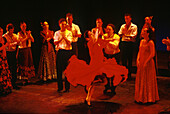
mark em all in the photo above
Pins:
pixel 121 29
pixel 77 29
pixel 56 36
pixel 134 31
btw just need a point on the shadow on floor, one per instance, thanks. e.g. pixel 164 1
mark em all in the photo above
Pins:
pixel 98 107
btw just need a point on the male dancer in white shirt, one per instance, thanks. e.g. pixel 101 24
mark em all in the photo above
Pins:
pixel 98 30
pixel 128 32
pixel 62 41
pixel 75 32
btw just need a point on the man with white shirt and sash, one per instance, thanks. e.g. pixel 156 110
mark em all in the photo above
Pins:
pixel 128 32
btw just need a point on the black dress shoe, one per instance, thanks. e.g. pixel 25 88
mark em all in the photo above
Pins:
pixel 16 87
pixel 59 91
pixel 85 101
pixel 66 91
pixel 105 91
pixel 138 102
pixel 113 92
pixel 90 106
pixel 40 82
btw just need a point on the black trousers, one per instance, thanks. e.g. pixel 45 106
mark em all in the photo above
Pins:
pixel 62 61
pixel 12 62
pixel 75 48
pixel 109 84
pixel 127 55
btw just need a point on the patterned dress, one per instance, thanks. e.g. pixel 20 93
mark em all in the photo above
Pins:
pixel 146 89
pixel 5 75
pixel 25 60
pixel 47 65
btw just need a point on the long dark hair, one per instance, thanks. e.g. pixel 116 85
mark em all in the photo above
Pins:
pixel 151 37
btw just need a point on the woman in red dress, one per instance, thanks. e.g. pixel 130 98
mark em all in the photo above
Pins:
pixel 146 89
pixel 78 72
pixel 5 75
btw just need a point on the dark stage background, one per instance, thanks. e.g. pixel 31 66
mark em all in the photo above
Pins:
pixel 85 13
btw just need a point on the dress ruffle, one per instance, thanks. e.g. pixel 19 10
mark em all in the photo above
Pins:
pixel 78 72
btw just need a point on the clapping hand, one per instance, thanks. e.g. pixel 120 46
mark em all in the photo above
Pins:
pixel 166 41
pixel 29 34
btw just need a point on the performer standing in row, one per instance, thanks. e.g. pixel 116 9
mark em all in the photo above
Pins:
pixel 111 51
pixel 167 43
pixel 12 40
pixel 47 65
pixel 75 32
pixel 128 32
pixel 62 41
pixel 146 89
pixel 148 25
pixel 25 61
pixel 5 75
pixel 98 30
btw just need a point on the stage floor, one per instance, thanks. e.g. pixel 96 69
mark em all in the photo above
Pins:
pixel 44 98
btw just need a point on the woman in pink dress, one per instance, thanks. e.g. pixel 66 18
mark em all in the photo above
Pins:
pixel 146 90
pixel 78 72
